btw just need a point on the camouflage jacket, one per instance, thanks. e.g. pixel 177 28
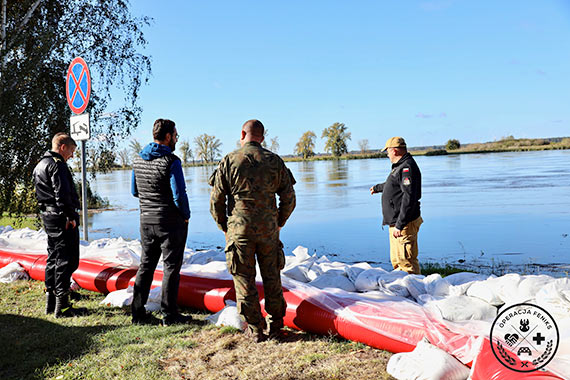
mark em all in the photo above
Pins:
pixel 248 179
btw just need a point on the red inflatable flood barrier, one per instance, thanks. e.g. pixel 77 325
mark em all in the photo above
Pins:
pixel 211 294
pixel 303 313
pixel 487 367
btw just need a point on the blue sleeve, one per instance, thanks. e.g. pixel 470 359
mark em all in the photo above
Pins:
pixel 134 189
pixel 179 189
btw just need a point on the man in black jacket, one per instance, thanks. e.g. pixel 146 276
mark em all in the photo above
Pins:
pixel 401 195
pixel 59 203
pixel 158 182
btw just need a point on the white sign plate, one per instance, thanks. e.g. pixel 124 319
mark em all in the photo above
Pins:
pixel 79 127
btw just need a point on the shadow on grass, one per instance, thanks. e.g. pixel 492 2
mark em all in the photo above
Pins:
pixel 28 344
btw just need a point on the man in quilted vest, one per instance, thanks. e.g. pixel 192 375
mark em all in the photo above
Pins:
pixel 158 182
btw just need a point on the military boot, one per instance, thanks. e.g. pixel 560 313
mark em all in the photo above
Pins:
pixel 276 331
pixel 50 302
pixel 64 309
pixel 255 334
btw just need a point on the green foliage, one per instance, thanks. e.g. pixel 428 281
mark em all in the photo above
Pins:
pixel 41 39
pixel 444 270
pixel 21 221
pixel 452 144
pixel 207 147
pixel 306 145
pixel 337 137
pixel 436 152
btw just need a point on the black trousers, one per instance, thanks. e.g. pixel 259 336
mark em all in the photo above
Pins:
pixel 63 253
pixel 168 241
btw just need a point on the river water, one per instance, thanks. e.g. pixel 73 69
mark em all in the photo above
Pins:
pixel 485 210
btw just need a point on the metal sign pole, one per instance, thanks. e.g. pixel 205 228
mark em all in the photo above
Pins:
pixel 77 92
pixel 84 190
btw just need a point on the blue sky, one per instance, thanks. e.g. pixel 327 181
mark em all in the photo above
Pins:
pixel 425 70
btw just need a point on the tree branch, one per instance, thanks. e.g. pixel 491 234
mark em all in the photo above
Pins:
pixel 20 27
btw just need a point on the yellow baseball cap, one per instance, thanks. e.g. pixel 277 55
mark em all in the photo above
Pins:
pixel 395 142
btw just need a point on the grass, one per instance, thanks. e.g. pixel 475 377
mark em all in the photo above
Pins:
pixel 444 270
pixel 22 221
pixel 105 345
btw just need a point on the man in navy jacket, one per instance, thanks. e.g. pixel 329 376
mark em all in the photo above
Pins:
pixel 401 195
pixel 159 184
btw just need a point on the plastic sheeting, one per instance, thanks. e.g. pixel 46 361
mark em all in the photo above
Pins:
pixel 392 313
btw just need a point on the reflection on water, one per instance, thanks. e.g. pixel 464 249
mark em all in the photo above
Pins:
pixel 512 207
pixel 337 173
pixel 306 176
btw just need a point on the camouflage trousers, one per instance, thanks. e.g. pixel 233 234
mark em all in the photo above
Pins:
pixel 241 252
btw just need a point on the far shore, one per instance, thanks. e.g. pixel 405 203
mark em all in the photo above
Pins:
pixel 508 144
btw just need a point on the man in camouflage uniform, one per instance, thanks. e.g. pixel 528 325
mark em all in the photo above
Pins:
pixel 248 179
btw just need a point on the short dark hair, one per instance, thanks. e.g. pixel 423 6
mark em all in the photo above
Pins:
pixel 161 128
pixel 254 127
pixel 62 138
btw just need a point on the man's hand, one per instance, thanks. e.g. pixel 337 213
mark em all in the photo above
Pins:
pixel 186 221
pixel 397 233
pixel 71 223
pixel 372 190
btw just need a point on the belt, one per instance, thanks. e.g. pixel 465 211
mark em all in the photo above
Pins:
pixel 50 208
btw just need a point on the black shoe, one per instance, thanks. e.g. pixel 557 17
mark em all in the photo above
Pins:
pixel 50 302
pixel 63 308
pixel 178 319
pixel 145 319
pixel 75 296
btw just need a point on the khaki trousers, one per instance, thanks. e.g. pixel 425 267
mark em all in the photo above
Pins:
pixel 404 249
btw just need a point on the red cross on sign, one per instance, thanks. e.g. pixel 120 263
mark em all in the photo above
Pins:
pixel 78 85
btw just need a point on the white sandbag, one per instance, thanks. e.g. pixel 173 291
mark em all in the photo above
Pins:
pixel 436 285
pixel 154 298
pixel 13 272
pixel 300 272
pixel 487 291
pixel 297 273
pixel 396 288
pixel 414 283
pixel 314 272
pixel 301 253
pixel 464 277
pixel 333 280
pixel 328 267
pixel 555 297
pixel 388 277
pixel 460 290
pixel 460 308
pixel 382 294
pixel 530 285
pixel 426 362
pixel 368 279
pixel 507 288
pixel 119 298
pixel 203 257
pixel 354 270
pixel 228 316
pixel 124 297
